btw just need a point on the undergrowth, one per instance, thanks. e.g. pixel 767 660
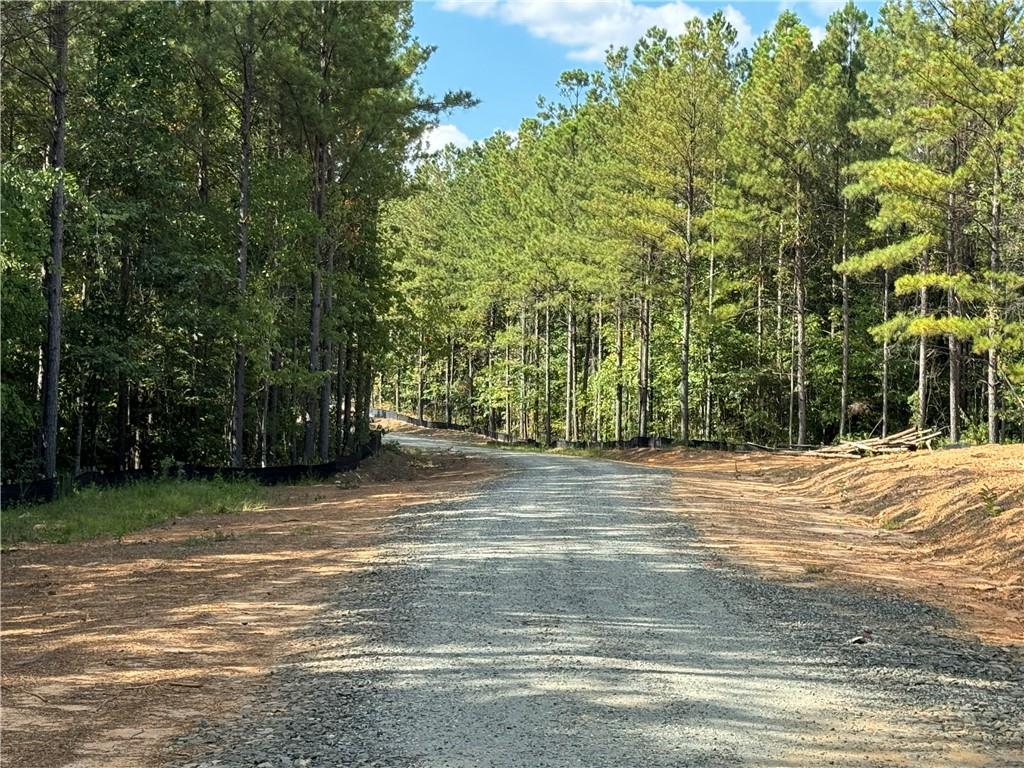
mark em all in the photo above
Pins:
pixel 92 512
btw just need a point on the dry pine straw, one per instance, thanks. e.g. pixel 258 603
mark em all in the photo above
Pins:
pixel 110 647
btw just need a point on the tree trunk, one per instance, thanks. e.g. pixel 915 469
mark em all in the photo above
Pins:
pixel 684 363
pixel 309 447
pixel 618 371
pixel 362 407
pixel 319 201
pixel 449 375
pixel 885 355
pixel 350 372
pixel 419 383
pixel 952 311
pixel 922 357
pixel 801 328
pixel 993 313
pixel 325 386
pixel 273 415
pixel 780 277
pixel 760 305
pixel 340 379
pixel 535 357
pixel 264 418
pixel 844 384
pixel 599 359
pixel 491 426
pixel 570 355
pixel 508 382
pixel 648 377
pixel 203 183
pixel 547 375
pixel 238 406
pixel 523 427
pixel 52 280
pixel 583 412
pixel 76 467
pixel 643 392
pixel 709 347
pixel 124 416
pixel 470 390
pixel 792 381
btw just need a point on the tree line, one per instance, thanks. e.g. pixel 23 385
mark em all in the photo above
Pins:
pixel 799 243
pixel 191 251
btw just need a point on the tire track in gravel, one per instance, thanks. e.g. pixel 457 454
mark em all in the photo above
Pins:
pixel 566 617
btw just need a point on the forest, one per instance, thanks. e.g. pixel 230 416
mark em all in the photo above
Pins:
pixel 221 241
pixel 806 241
pixel 192 260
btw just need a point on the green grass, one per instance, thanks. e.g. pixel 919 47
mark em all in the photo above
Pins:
pixel 93 512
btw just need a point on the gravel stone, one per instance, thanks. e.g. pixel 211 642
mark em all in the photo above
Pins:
pixel 564 616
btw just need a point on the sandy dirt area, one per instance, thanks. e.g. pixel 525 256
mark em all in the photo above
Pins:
pixel 110 647
pixel 946 527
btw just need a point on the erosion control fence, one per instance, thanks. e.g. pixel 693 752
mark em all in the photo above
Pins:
pixel 36 491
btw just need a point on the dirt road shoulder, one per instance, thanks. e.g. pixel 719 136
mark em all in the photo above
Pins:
pixel 945 527
pixel 111 647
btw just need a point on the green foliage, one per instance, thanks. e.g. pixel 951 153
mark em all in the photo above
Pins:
pixel 152 307
pixel 734 200
pixel 93 512
pixel 990 501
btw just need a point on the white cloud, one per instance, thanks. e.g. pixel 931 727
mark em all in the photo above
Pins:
pixel 825 8
pixel 820 8
pixel 588 27
pixel 817 34
pixel 440 136
pixel 471 7
pixel 744 34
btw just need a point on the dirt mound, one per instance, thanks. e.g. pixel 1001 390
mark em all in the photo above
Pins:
pixel 965 504
pixel 394 464
pixel 451 435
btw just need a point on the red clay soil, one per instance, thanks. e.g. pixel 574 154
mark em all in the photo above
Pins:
pixel 112 647
pixel 946 526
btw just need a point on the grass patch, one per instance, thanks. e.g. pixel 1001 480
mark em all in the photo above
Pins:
pixel 92 512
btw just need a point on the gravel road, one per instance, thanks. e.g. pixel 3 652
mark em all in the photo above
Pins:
pixel 566 616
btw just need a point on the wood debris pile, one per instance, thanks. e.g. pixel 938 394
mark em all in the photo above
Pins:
pixel 908 440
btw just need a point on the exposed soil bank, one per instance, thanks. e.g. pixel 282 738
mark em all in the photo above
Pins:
pixel 944 526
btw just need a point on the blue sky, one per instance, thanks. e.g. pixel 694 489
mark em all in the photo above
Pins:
pixel 508 52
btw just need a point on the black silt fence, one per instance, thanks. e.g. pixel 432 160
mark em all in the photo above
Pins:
pixel 38 491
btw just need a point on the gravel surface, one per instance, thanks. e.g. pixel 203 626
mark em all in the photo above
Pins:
pixel 565 617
